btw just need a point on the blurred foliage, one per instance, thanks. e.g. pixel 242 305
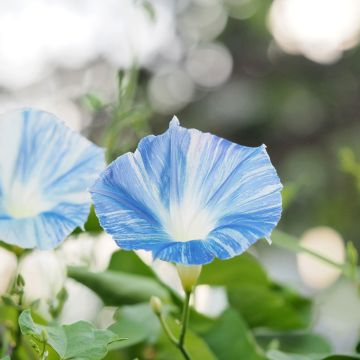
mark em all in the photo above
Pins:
pixel 264 320
pixel 350 165
pixel 126 120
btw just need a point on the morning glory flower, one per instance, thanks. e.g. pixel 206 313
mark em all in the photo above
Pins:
pixel 189 197
pixel 45 170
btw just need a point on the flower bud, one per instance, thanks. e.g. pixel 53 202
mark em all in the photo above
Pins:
pixel 156 305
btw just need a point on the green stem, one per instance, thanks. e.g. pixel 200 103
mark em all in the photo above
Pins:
pixel 43 355
pixel 167 331
pixel 320 257
pixel 185 353
pixel 18 330
pixel 180 344
pixel 288 242
pixel 185 319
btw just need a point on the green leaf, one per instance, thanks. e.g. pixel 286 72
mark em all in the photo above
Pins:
pixel 129 262
pixel 244 269
pixel 299 343
pixel 7 357
pixel 258 300
pixel 230 338
pixel 8 315
pixel 271 307
pixel 195 345
pixel 80 340
pixel 279 355
pixel 117 288
pixel 140 325
pixel 199 323
pixel 92 224
pixel 137 322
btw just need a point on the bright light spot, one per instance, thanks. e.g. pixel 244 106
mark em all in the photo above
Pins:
pixel 319 29
pixel 8 266
pixel 65 110
pixel 209 65
pixel 203 20
pixel 38 36
pixel 327 242
pixel 170 90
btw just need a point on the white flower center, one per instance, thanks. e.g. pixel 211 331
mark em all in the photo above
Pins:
pixel 25 201
pixel 188 222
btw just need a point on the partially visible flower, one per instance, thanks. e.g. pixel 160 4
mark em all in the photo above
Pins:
pixel 93 252
pixel 44 274
pixel 189 197
pixel 74 309
pixel 45 170
pixel 8 267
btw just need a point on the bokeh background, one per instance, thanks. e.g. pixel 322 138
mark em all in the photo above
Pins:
pixel 284 72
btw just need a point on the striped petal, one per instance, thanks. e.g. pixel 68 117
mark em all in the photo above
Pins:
pixel 189 196
pixel 45 170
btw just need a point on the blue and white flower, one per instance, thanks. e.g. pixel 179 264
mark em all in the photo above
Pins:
pixel 189 197
pixel 45 170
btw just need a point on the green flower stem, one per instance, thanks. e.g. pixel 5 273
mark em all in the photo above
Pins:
pixel 19 284
pixel 167 331
pixel 180 344
pixel 44 353
pixel 185 319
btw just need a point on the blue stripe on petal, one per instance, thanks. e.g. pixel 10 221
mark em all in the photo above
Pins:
pixel 126 203
pixel 193 252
